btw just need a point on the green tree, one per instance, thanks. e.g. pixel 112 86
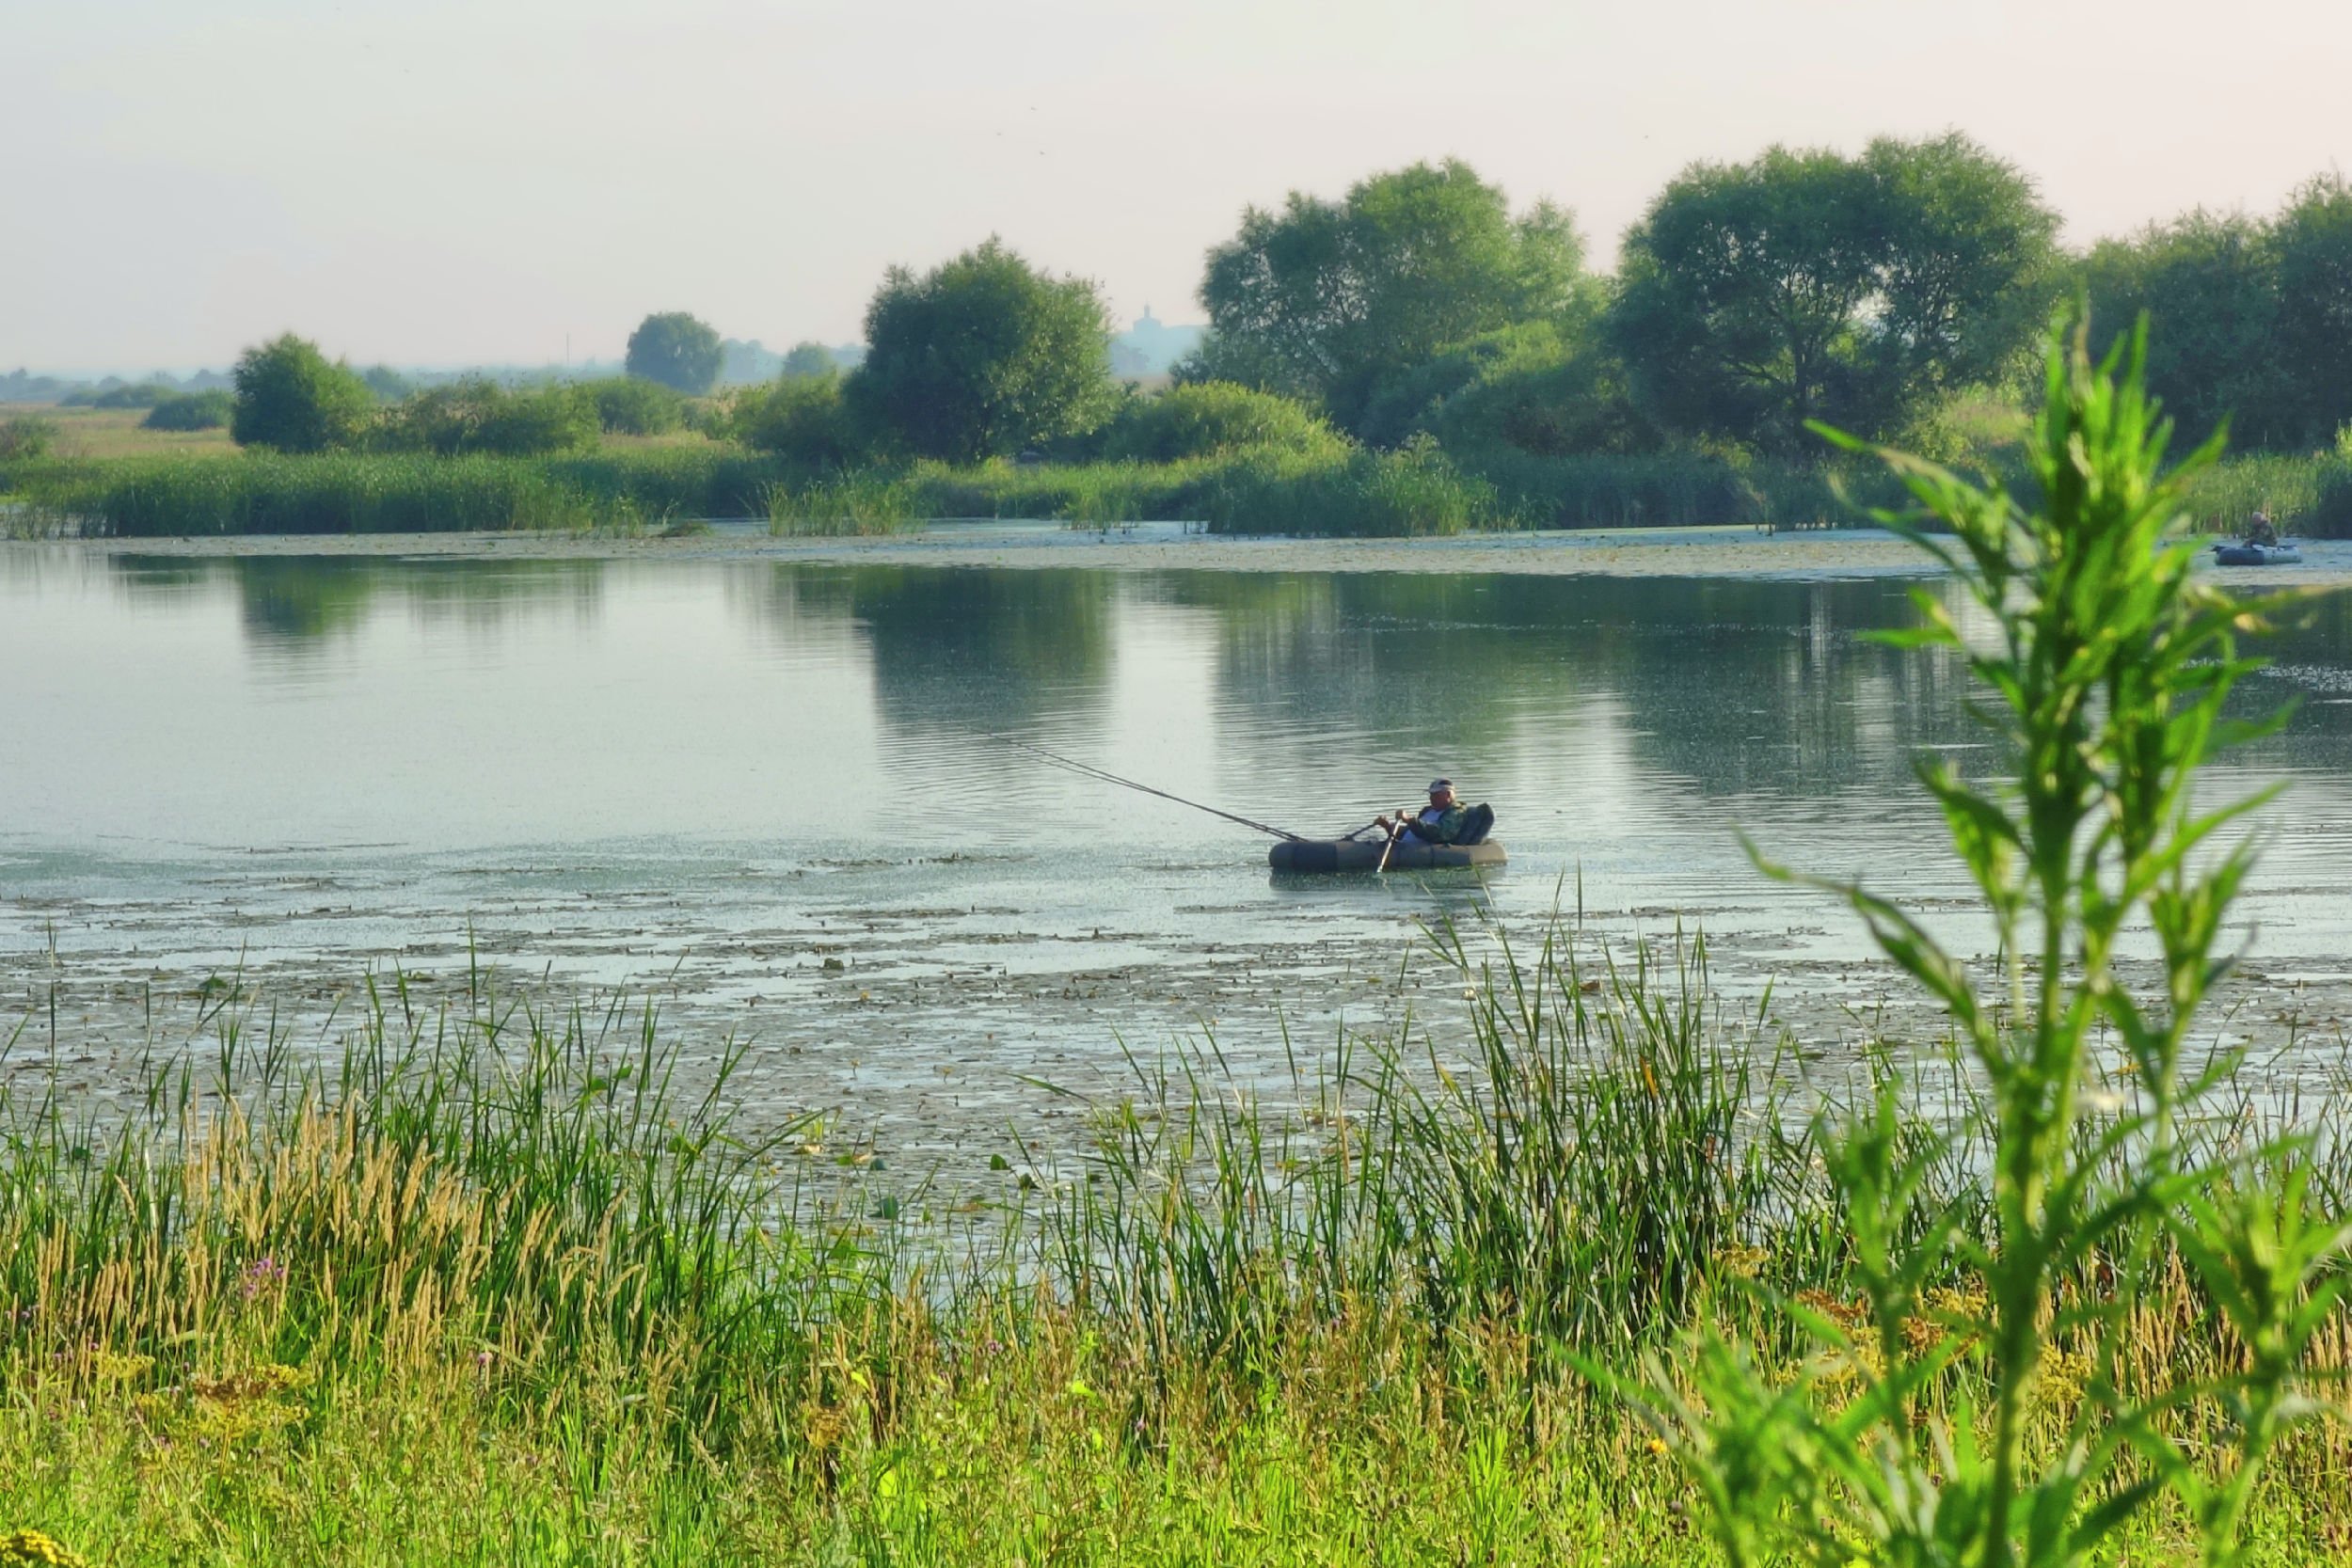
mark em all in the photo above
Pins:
pixel 984 357
pixel 807 359
pixel 2312 245
pixel 1538 388
pixel 677 350
pixel 1324 299
pixel 388 383
pixel 290 397
pixel 1808 285
pixel 2206 282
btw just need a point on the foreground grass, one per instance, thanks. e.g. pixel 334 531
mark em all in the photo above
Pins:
pixel 497 1287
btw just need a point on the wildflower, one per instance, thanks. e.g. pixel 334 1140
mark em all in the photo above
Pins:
pixel 31 1545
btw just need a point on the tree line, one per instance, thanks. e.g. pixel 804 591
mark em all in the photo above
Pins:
pixel 1897 292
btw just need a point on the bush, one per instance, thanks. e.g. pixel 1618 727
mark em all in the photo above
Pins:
pixel 290 398
pixel 190 411
pixel 26 437
pixel 1210 418
pixel 1416 490
pixel 803 420
pixel 478 416
pixel 628 407
pixel 144 394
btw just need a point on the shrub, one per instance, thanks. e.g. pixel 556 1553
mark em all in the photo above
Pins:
pixel 626 406
pixel 1210 418
pixel 803 420
pixel 190 411
pixel 479 415
pixel 1415 490
pixel 27 436
pixel 144 394
pixel 290 398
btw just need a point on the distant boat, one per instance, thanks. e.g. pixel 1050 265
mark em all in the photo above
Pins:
pixel 2245 552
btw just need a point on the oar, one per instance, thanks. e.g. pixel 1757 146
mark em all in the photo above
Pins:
pixel 1395 829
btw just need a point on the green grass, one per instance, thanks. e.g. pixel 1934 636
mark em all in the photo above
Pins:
pixel 380 493
pixel 494 1287
pixel 1341 492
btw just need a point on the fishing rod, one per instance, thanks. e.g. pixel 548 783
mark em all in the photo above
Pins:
pixel 1088 770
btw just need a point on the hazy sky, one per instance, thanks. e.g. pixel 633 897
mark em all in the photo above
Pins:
pixel 432 181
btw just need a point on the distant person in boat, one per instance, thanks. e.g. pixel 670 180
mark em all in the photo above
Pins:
pixel 2260 531
pixel 1439 822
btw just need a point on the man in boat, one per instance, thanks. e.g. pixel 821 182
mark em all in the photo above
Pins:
pixel 1439 822
pixel 2260 531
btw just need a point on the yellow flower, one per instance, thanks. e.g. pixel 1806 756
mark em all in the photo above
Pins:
pixel 30 1546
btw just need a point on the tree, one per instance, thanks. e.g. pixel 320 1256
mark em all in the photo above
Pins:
pixel 2312 245
pixel 1808 285
pixel 677 351
pixel 2206 282
pixel 806 359
pixel 984 357
pixel 290 397
pixel 388 383
pixel 1535 388
pixel 1324 299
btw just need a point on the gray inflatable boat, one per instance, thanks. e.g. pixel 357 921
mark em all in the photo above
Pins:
pixel 1363 854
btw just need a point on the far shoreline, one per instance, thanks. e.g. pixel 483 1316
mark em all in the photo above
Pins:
pixel 1723 551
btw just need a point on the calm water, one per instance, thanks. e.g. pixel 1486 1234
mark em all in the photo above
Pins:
pixel 716 775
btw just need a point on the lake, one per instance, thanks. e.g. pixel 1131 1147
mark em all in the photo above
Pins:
pixel 775 797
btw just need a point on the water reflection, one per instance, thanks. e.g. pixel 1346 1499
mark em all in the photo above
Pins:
pixel 958 650
pixel 286 603
pixel 1734 687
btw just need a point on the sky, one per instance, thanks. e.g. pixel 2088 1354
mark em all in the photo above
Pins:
pixel 449 181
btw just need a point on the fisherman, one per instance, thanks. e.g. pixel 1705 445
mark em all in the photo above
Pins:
pixel 2260 531
pixel 1439 822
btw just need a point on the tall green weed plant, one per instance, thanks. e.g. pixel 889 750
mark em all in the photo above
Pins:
pixel 2107 666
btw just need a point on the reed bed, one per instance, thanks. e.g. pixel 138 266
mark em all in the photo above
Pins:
pixel 1295 1317
pixel 387 493
pixel 1341 492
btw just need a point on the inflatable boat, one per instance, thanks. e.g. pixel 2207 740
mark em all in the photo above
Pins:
pixel 1363 854
pixel 2245 552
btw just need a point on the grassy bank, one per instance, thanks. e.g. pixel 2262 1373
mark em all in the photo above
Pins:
pixel 1347 492
pixel 492 1288
pixel 376 493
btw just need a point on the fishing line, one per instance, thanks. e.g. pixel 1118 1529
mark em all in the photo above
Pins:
pixel 1088 770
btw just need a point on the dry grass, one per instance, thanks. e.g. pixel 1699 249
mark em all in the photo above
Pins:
pixel 103 432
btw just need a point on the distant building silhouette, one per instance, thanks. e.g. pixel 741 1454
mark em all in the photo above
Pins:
pixel 1151 346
